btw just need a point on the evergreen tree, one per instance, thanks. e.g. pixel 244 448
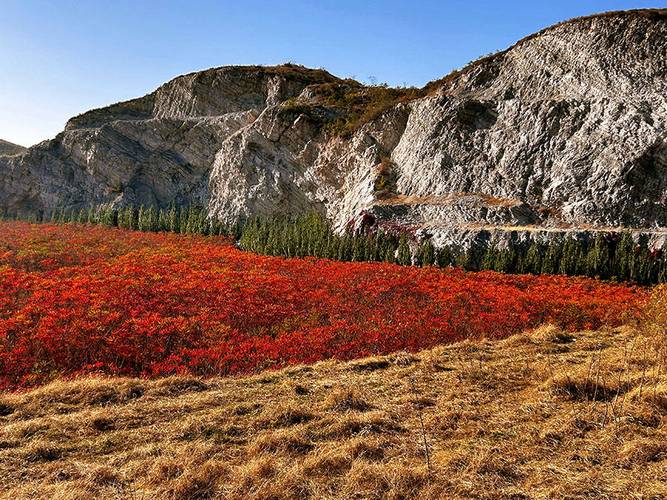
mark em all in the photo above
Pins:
pixel 489 258
pixel 642 261
pixel 532 262
pixel 91 215
pixel 404 254
pixel 357 250
pixel 427 253
pixel 572 258
pixel 624 257
pixel 172 219
pixel 83 216
pixel 444 257
pixel 506 259
pixel 597 259
pixel 552 257
pixel 151 219
pixel 142 221
pixel 662 271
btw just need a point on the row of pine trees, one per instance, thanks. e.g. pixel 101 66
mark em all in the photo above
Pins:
pixel 607 256
pixel 186 220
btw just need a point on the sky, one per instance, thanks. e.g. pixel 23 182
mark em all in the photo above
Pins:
pixel 59 58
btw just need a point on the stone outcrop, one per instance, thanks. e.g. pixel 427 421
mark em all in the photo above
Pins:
pixel 566 130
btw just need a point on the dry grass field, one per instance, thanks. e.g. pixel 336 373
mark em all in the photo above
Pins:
pixel 540 414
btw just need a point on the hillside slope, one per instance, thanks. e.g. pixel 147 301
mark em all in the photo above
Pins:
pixel 540 414
pixel 7 148
pixel 567 128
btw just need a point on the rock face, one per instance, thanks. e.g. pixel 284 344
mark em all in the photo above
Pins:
pixel 7 148
pixel 566 129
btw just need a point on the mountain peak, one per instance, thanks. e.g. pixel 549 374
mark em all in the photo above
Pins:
pixel 617 53
pixel 211 92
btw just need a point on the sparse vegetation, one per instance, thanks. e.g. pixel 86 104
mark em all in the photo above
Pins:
pixel 385 181
pixel 342 107
pixel 360 104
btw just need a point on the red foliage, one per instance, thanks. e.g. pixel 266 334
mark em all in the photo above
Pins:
pixel 76 300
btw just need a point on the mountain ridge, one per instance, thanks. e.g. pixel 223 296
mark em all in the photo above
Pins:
pixel 9 148
pixel 432 85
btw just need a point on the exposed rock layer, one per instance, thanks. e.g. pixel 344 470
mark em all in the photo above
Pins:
pixel 568 128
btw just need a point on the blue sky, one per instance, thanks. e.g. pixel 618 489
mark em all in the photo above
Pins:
pixel 60 58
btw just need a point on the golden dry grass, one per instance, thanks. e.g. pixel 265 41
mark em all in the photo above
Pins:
pixel 540 414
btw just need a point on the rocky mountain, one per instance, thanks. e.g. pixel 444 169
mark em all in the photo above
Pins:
pixel 7 148
pixel 566 130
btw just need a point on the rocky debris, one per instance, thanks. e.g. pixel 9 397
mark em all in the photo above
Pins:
pixel 566 129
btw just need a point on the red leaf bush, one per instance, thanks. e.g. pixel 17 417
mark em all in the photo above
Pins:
pixel 77 299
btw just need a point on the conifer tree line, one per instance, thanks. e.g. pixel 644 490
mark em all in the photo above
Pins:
pixel 185 220
pixel 607 256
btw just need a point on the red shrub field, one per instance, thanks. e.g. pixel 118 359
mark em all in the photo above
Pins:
pixel 77 299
